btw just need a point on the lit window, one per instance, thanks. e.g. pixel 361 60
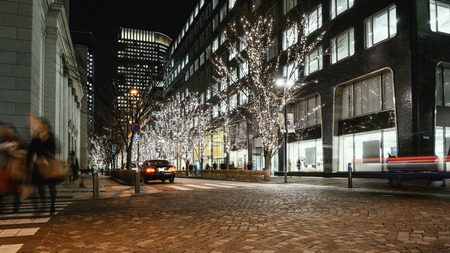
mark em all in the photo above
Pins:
pixel 223 36
pixel 307 112
pixel 366 95
pixel 243 98
pixel 290 71
pixel 313 61
pixel 440 16
pixel 288 5
pixel 290 36
pixel 231 4
pixel 381 26
pixel 314 19
pixel 342 46
pixel 223 12
pixel 443 85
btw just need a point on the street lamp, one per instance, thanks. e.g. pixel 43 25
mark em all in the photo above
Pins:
pixel 285 83
pixel 135 92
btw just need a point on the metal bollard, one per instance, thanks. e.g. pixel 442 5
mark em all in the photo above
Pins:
pixel 95 184
pixel 137 184
pixel 349 168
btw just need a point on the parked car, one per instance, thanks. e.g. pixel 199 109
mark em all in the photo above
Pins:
pixel 157 170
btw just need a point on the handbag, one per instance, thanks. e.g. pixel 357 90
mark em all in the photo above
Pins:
pixel 17 165
pixel 50 169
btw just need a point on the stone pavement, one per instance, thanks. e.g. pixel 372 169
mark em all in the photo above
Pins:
pixel 109 188
pixel 304 215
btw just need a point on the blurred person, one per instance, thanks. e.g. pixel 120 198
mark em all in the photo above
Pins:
pixel 40 159
pixel 73 163
pixel 12 167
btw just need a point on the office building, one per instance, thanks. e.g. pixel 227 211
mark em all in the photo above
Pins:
pixel 140 60
pixel 381 76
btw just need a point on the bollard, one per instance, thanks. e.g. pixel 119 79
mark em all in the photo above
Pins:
pixel 137 184
pixel 349 168
pixel 95 184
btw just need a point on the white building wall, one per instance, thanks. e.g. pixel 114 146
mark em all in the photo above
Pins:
pixel 38 70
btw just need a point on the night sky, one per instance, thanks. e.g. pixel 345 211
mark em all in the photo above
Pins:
pixel 104 17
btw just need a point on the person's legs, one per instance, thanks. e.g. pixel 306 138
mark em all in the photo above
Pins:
pixel 41 191
pixel 17 197
pixel 52 188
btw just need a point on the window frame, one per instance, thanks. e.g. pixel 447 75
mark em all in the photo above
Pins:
pixel 334 46
pixel 386 11
pixel 434 26
pixel 334 12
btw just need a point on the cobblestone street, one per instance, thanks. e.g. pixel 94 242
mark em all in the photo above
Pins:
pixel 252 218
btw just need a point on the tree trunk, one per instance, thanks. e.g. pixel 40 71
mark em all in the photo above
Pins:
pixel 267 160
pixel 129 150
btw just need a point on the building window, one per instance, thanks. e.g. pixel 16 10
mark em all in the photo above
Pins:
pixel 339 6
pixel 314 19
pixel 290 71
pixel 288 5
pixel 313 61
pixel 215 44
pixel 223 37
pixel 231 4
pixel 367 95
pixel 443 85
pixel 381 26
pixel 342 46
pixel 273 50
pixel 307 111
pixel 223 12
pixel 243 98
pixel 233 101
pixel 290 36
pixel 215 22
pixel 440 16
pixel 215 2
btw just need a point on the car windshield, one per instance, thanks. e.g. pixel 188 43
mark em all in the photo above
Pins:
pixel 158 162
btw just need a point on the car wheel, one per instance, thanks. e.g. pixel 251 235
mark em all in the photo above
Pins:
pixel 163 180
pixel 172 180
pixel 145 181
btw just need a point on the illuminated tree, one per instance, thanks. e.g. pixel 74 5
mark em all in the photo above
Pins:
pixel 252 71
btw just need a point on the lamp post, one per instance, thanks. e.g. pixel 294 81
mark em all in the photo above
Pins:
pixel 137 182
pixel 285 83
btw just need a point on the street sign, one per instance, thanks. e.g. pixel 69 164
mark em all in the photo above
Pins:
pixel 136 137
pixel 136 128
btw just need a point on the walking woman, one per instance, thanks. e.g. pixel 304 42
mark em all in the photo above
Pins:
pixel 11 177
pixel 41 153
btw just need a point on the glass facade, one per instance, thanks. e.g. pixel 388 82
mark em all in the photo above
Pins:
pixel 442 101
pixel 366 151
pixel 305 156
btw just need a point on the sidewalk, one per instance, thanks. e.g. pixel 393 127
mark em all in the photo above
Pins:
pixel 107 188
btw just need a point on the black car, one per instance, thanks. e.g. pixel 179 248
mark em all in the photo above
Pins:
pixel 157 170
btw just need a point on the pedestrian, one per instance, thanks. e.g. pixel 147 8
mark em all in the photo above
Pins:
pixel 42 161
pixel 12 168
pixel 74 166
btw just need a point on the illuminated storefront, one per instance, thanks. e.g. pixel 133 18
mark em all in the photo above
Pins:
pixel 305 156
